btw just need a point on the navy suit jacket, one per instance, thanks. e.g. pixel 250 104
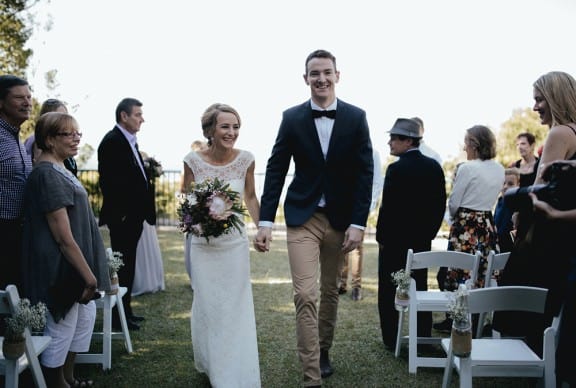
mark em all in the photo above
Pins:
pixel 413 203
pixel 345 177
pixel 126 192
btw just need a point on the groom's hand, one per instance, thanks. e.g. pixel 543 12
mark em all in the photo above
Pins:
pixel 263 238
pixel 352 239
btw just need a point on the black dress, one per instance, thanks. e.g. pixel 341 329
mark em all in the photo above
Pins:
pixel 542 257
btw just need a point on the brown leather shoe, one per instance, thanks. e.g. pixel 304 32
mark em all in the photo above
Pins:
pixel 341 290
pixel 356 294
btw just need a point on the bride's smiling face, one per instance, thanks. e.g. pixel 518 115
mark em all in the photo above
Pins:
pixel 226 131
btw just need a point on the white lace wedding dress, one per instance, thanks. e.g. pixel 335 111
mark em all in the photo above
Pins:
pixel 222 321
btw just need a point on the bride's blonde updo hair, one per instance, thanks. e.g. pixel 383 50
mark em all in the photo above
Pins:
pixel 209 119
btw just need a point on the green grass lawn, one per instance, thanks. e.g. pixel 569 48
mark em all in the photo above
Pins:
pixel 163 351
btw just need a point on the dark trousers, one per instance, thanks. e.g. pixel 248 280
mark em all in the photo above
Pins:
pixel 124 238
pixel 11 253
pixel 391 259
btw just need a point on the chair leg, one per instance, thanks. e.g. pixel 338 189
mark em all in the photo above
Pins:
pixel 33 363
pixel 11 377
pixel 399 333
pixel 127 340
pixel 412 339
pixel 465 372
pixel 448 368
pixel 107 332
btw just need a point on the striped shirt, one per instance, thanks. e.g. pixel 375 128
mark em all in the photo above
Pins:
pixel 15 166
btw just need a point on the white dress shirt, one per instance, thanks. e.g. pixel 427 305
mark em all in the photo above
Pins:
pixel 132 141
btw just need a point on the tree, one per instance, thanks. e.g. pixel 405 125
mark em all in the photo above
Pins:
pixel 14 33
pixel 522 120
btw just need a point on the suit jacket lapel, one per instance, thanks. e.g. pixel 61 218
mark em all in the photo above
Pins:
pixel 336 129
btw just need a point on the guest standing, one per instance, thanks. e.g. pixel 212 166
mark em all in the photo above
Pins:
pixel 530 262
pixel 326 204
pixel 64 259
pixel 425 148
pixel 528 164
pixel 128 198
pixel 408 219
pixel 474 194
pixel 15 166
pixel 503 218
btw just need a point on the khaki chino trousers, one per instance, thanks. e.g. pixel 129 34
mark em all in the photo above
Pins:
pixel 314 250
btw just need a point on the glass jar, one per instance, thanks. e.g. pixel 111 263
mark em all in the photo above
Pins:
pixel 461 338
pixel 114 284
pixel 402 299
pixel 461 335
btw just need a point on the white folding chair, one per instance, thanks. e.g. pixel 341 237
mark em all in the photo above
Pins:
pixel 106 303
pixel 505 357
pixel 495 262
pixel 34 345
pixel 433 300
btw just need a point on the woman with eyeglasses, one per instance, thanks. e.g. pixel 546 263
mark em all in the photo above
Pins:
pixel 64 259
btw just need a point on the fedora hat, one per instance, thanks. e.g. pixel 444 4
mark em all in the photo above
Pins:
pixel 406 127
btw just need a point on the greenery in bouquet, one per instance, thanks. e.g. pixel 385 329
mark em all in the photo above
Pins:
pixel 401 279
pixel 153 168
pixel 28 316
pixel 210 209
pixel 114 261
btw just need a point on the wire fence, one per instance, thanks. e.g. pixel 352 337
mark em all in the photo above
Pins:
pixel 167 188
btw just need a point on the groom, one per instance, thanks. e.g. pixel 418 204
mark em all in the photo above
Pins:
pixel 326 204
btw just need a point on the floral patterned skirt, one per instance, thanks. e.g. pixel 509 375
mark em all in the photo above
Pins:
pixel 471 231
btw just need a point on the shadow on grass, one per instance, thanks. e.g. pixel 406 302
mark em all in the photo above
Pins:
pixel 163 351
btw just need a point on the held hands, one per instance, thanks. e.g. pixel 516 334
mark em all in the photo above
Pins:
pixel 262 239
pixel 352 239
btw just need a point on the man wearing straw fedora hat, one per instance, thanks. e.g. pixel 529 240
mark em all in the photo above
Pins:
pixel 411 212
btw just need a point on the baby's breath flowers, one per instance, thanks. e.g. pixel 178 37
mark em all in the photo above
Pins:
pixel 28 316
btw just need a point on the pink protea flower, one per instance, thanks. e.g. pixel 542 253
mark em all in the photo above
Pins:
pixel 219 205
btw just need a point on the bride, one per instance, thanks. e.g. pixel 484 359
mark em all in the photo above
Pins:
pixel 222 320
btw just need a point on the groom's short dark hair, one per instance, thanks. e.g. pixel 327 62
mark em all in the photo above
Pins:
pixel 319 54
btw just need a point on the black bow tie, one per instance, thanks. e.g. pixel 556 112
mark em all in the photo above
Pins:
pixel 331 114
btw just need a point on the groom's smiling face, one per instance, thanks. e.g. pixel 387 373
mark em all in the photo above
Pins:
pixel 322 78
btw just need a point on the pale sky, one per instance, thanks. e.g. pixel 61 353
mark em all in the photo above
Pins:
pixel 454 63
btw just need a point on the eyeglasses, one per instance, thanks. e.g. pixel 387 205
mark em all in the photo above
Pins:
pixel 70 135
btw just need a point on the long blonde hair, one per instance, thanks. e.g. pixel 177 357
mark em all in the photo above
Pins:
pixel 559 91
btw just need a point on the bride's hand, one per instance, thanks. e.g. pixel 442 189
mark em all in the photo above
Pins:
pixel 262 239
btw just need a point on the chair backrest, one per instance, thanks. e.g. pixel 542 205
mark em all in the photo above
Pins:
pixel 435 259
pixel 507 298
pixel 495 262
pixel 9 299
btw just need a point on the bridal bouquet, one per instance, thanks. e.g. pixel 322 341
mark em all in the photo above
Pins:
pixel 210 209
